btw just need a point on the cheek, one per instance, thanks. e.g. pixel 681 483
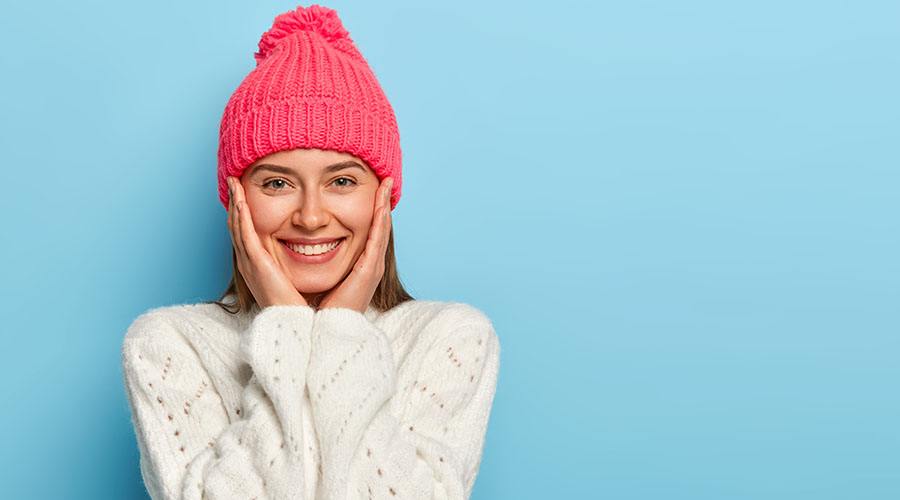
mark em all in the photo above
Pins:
pixel 267 216
pixel 358 217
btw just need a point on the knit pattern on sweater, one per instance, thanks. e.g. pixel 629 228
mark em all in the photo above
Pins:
pixel 293 403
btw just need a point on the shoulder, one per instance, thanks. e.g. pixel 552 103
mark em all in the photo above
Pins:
pixel 432 320
pixel 173 325
pixel 427 312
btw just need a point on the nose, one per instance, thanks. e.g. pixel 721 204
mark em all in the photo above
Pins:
pixel 312 212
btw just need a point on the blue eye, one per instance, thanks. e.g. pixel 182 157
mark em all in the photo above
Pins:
pixel 273 180
pixel 282 184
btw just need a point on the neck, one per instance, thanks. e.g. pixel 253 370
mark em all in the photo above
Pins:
pixel 312 299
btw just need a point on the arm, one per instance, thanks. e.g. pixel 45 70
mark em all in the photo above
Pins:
pixel 413 434
pixel 189 448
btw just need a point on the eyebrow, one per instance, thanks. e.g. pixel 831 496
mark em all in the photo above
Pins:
pixel 289 171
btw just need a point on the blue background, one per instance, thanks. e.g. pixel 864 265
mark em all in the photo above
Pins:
pixel 682 218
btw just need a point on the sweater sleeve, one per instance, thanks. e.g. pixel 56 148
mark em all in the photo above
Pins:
pixel 415 434
pixel 190 448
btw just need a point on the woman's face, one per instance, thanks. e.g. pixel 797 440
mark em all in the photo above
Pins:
pixel 311 194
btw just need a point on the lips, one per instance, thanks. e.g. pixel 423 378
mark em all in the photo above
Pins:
pixel 311 242
pixel 323 249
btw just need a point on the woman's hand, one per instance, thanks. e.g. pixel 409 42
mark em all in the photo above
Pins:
pixel 358 288
pixel 268 283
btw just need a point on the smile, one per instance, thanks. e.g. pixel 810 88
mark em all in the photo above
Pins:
pixel 312 254
pixel 313 249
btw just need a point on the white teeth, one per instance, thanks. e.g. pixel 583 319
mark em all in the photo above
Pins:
pixel 313 250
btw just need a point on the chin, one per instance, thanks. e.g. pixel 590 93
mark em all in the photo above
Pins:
pixel 314 286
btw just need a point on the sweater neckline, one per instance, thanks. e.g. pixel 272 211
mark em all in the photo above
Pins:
pixel 370 314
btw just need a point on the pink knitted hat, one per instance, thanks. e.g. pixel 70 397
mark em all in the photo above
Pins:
pixel 311 88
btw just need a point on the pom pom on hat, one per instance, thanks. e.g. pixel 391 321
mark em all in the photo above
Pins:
pixel 314 18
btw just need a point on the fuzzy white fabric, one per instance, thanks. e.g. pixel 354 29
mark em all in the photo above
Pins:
pixel 293 403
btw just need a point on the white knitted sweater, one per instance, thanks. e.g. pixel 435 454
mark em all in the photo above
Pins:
pixel 293 403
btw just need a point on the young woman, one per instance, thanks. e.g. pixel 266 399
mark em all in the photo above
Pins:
pixel 315 375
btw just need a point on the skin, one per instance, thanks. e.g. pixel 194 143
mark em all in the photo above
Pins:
pixel 266 206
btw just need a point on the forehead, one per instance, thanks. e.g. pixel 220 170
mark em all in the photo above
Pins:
pixel 303 161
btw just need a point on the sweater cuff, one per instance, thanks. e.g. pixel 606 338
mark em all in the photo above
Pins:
pixel 293 319
pixel 351 374
pixel 277 346
pixel 346 323
pixel 350 348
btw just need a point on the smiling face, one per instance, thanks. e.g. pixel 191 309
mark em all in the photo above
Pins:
pixel 311 194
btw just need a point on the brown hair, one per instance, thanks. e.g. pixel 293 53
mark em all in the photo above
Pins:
pixel 389 293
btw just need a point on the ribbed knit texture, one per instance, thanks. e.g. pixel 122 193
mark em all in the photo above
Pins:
pixel 292 403
pixel 311 88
